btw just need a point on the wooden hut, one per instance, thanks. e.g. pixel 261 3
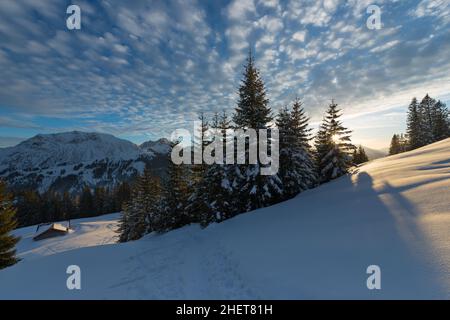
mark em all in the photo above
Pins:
pixel 54 230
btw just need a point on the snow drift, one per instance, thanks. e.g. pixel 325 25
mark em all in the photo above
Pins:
pixel 392 212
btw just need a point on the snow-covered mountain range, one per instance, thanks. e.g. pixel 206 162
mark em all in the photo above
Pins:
pixel 68 161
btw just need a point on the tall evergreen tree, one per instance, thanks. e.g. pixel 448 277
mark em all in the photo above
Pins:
pixel 217 195
pixel 148 202
pixel 29 208
pixel 426 116
pixel 121 195
pixel 231 204
pixel 333 146
pixel 440 118
pixel 404 142
pixel 195 206
pixel 252 109
pixel 415 126
pixel 215 191
pixel 175 197
pixel 124 227
pixel 297 171
pixel 142 214
pixel 395 146
pixel 428 122
pixel 7 224
pixel 253 112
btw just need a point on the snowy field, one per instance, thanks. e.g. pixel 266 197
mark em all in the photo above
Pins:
pixel 87 232
pixel 392 212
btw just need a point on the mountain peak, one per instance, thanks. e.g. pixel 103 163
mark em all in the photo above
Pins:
pixel 69 160
pixel 160 146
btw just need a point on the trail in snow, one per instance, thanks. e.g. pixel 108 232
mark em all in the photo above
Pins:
pixel 187 267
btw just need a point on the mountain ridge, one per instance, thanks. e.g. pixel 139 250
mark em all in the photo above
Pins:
pixel 69 160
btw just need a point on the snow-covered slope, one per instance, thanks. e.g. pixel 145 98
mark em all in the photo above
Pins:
pixel 87 232
pixel 160 146
pixel 68 161
pixel 67 148
pixel 392 212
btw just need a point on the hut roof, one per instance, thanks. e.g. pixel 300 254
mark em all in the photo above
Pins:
pixel 52 230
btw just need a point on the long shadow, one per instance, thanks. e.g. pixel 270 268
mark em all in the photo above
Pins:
pixel 388 188
pixel 400 201
pixel 407 251
pixel 443 162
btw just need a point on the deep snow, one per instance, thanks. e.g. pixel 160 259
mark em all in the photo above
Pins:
pixel 392 212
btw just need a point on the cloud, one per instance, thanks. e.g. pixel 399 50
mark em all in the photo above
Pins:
pixel 152 67
pixel 299 36
pixel 9 141
pixel 9 122
pixel 312 12
pixel 436 8
pixel 238 10
pixel 385 46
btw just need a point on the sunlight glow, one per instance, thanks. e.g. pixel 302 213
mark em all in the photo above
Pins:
pixel 335 138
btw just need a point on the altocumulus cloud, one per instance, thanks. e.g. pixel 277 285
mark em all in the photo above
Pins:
pixel 147 67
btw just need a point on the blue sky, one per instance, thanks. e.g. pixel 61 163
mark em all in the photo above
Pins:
pixel 140 69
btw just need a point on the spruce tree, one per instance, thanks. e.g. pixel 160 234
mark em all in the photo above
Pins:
pixel 29 208
pixel 428 122
pixel 142 214
pixel 135 211
pixel 124 227
pixel 414 126
pixel 252 109
pixel 217 196
pixel 395 146
pixel 195 206
pixel 231 203
pixel 149 196
pixel 333 146
pixel 426 115
pixel 404 142
pixel 175 197
pixel 216 192
pixel 121 195
pixel 440 117
pixel 297 171
pixel 253 112
pixel 7 224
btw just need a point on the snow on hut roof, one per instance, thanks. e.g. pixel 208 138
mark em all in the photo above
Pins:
pixel 52 230
pixel 57 226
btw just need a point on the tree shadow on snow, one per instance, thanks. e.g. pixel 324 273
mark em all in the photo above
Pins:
pixel 395 240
